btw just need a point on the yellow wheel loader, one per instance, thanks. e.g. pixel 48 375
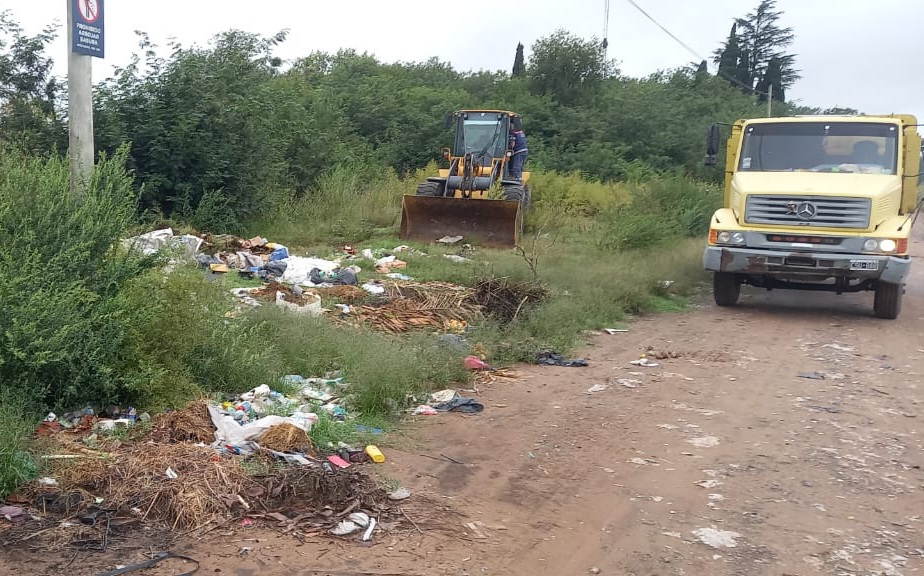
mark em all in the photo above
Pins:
pixel 475 197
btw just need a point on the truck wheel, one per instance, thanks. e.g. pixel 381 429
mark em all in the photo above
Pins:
pixel 887 302
pixel 725 288
pixel 430 189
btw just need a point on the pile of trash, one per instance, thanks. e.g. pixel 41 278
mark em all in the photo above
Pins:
pixel 194 467
pixel 391 301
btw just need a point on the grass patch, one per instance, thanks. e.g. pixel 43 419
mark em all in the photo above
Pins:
pixel 16 464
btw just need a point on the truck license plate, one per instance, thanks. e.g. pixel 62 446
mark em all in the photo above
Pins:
pixel 864 264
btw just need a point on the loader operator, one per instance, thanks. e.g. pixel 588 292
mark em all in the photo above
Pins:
pixel 520 153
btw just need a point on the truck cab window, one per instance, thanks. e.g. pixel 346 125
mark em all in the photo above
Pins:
pixel 850 147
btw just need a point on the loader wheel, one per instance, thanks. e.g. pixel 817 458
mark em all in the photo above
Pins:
pixel 516 193
pixel 430 189
pixel 726 288
pixel 887 303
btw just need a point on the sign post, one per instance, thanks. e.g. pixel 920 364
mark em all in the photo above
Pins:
pixel 86 40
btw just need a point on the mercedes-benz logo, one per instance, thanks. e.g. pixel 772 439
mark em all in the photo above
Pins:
pixel 804 210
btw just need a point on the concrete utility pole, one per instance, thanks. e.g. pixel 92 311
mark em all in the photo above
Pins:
pixel 81 17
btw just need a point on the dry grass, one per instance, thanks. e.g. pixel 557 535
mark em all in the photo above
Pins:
pixel 192 424
pixel 285 438
pixel 136 477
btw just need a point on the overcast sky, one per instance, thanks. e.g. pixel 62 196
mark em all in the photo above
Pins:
pixel 864 54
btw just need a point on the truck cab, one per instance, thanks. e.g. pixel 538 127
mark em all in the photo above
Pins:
pixel 816 203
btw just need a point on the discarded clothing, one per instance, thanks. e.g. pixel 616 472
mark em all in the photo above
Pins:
pixel 460 404
pixel 550 358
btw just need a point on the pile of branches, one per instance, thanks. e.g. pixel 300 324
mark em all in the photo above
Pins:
pixel 409 306
pixel 505 300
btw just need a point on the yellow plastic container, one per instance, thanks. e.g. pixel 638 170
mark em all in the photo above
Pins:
pixel 374 453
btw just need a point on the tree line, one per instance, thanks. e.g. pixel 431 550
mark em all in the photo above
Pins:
pixel 219 134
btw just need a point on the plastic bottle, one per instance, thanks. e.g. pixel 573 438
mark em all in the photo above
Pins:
pixel 374 453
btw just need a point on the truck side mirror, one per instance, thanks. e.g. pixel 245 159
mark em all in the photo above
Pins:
pixel 517 124
pixel 449 121
pixel 712 145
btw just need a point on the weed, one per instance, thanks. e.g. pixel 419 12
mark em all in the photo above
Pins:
pixel 16 465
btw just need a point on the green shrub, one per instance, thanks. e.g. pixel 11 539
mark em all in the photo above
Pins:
pixel 61 270
pixel 181 343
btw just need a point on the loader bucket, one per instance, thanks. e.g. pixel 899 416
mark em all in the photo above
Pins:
pixel 493 223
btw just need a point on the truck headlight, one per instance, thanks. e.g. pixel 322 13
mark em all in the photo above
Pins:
pixel 887 245
pixel 726 237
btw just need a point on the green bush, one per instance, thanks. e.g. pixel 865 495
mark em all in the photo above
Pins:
pixel 660 211
pixel 61 270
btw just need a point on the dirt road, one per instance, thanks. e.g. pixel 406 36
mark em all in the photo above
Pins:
pixel 787 439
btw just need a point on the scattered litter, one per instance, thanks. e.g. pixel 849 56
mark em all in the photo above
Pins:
pixel 46 481
pixel 671 534
pixel 550 358
pixel 594 570
pixel 476 363
pixel 361 519
pixel 375 454
pixel 596 388
pixel 612 331
pixel 368 535
pixel 399 276
pixel 840 348
pixel 665 284
pixel 373 288
pixel 641 461
pixel 171 474
pixel 704 441
pixel 13 513
pixel 456 258
pixel 460 404
pixel 399 494
pixel 443 396
pixel 644 362
pixel 475 532
pixel 716 538
pixel 345 527
pixel 711 483
pixel 425 410
pixel 450 239
pixel 338 461
pixel 812 375
pixel 716 497
pixel 628 383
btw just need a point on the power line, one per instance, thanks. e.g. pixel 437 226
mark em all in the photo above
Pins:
pixel 692 51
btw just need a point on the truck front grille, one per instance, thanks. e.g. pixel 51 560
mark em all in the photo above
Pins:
pixel 815 211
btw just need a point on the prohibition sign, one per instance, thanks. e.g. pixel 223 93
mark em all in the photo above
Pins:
pixel 89 10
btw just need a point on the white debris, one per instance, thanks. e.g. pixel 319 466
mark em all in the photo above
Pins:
pixel 840 348
pixel 450 239
pixel 345 527
pixel 399 494
pixel 711 483
pixel 596 388
pixel 628 382
pixel 716 497
pixel 359 518
pixel 644 362
pixel 704 441
pixel 716 538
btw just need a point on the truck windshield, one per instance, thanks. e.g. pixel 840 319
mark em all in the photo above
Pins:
pixel 853 147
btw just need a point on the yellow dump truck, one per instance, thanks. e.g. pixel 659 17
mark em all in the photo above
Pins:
pixel 816 203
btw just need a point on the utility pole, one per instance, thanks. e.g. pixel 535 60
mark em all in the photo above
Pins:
pixel 770 101
pixel 85 41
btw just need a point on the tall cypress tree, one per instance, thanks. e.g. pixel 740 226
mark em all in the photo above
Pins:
pixel 519 62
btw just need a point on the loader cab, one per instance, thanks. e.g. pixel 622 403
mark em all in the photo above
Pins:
pixel 482 133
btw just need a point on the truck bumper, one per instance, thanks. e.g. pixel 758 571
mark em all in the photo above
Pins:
pixel 807 266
